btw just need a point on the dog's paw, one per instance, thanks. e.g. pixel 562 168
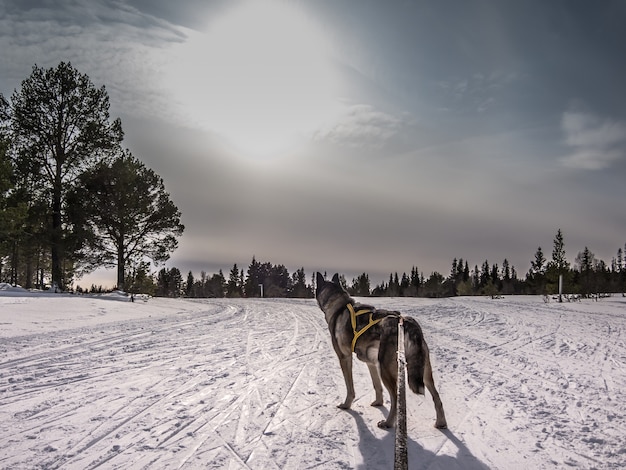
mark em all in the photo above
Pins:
pixel 383 425
pixel 441 425
pixel 343 406
pixel 377 403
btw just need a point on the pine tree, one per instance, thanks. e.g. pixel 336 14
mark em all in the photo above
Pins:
pixel 361 286
pixel 404 284
pixel 559 262
pixel 585 260
pixel 495 274
pixel 59 126
pixel 124 214
pixel 538 264
pixel 476 279
pixel 506 270
pixel 558 266
pixel 189 285
pixel 233 287
pixel 253 279
pixel 415 278
pixel 485 274
pixel 299 287
pixel 203 285
pixel 217 285
pixel 454 270
pixel 140 281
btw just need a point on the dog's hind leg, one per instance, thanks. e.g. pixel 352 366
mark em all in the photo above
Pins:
pixel 346 369
pixel 440 422
pixel 378 386
pixel 390 380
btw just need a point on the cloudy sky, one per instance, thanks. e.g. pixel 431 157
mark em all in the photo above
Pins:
pixel 358 136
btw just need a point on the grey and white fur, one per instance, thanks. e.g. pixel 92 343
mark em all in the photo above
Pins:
pixel 377 347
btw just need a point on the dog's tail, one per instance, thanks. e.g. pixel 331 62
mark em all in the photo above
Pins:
pixel 415 353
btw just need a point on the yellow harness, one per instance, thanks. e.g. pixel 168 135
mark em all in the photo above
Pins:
pixel 353 315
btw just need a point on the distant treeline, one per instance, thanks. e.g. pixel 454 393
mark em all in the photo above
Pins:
pixel 586 276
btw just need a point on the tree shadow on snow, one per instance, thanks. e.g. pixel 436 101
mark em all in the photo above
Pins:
pixel 378 453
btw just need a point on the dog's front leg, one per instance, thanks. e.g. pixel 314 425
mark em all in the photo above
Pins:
pixel 346 368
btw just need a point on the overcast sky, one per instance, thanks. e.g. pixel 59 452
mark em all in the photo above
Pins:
pixel 358 136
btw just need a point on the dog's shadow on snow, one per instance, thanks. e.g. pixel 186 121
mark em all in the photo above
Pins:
pixel 379 452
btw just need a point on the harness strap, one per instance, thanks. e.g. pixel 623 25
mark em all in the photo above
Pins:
pixel 353 315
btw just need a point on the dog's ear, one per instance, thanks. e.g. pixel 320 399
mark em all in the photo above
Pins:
pixel 336 279
pixel 320 279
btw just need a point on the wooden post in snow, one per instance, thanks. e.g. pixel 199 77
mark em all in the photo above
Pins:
pixel 401 459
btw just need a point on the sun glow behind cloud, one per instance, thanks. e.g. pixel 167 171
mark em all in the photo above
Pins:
pixel 261 76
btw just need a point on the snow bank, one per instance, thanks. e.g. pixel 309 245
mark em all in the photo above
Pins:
pixel 8 289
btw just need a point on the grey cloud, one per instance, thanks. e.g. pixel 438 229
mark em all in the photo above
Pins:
pixel 119 47
pixel 596 143
pixel 363 126
pixel 478 92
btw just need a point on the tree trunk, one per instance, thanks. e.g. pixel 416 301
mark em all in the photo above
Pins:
pixel 56 249
pixel 28 282
pixel 120 267
pixel 14 260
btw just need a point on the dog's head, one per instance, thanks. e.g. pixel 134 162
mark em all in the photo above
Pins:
pixel 330 295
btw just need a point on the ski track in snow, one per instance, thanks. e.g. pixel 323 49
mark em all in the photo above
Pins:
pixel 254 384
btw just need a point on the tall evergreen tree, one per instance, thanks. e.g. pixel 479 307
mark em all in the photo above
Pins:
pixel 140 281
pixel 559 261
pixel 216 286
pixel 506 270
pixel 454 270
pixel 189 285
pixel 254 279
pixel 433 287
pixel 277 282
pixel 558 266
pixel 361 285
pixel 476 279
pixel 299 288
pixel 233 286
pixel 22 217
pixel 585 261
pixel 536 275
pixel 538 264
pixel 203 285
pixel 59 126
pixel 495 274
pixel 125 215
pixel 485 274
pixel 466 272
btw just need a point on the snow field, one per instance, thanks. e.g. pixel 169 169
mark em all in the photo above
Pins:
pixel 88 382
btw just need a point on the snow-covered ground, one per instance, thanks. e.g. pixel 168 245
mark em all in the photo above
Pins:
pixel 95 382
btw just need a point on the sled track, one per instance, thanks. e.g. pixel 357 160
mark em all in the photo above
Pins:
pixel 151 391
pixel 545 370
pixel 253 384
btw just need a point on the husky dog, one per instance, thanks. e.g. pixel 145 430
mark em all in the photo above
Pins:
pixel 373 335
